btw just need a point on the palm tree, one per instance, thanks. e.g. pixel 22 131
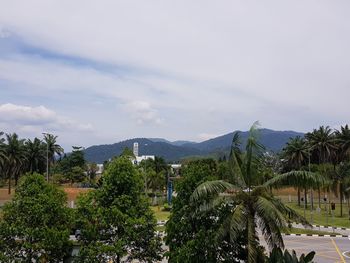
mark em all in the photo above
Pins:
pixel 15 153
pixel 35 151
pixel 255 207
pixel 52 149
pixel 323 141
pixel 324 144
pixel 342 173
pixel 343 137
pixel 295 154
pixel 3 157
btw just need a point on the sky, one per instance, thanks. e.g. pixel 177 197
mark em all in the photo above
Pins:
pixel 98 72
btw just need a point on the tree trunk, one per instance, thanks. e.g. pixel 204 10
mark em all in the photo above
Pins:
pixel 341 198
pixel 9 189
pixel 319 197
pixel 9 177
pixel 299 196
pixel 305 197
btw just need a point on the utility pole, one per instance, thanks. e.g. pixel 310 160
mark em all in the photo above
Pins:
pixel 47 157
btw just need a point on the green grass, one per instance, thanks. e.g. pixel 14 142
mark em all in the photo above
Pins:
pixel 159 214
pixel 321 218
pixel 160 228
pixel 306 231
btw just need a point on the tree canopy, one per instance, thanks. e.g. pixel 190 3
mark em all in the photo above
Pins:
pixel 36 223
pixel 115 220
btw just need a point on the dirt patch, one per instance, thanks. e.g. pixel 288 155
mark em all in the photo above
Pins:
pixel 72 193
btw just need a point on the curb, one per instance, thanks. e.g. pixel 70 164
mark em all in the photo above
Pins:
pixel 332 227
pixel 314 235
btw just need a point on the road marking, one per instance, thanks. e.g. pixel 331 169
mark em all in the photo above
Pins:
pixel 337 249
pixel 344 254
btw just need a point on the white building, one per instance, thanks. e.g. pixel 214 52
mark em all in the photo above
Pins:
pixel 138 159
pixel 136 149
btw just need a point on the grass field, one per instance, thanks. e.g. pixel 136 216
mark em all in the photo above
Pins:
pixel 159 214
pixel 320 218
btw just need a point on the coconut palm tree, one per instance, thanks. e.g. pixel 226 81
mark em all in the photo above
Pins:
pixel 296 154
pixel 255 207
pixel 52 149
pixel 16 158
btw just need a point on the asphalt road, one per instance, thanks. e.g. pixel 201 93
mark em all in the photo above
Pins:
pixel 328 249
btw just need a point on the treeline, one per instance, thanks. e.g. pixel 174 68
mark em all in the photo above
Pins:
pixel 20 156
pixel 326 153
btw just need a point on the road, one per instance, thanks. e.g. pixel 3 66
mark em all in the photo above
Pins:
pixel 328 249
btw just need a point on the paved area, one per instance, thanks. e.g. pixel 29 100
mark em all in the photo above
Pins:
pixel 328 249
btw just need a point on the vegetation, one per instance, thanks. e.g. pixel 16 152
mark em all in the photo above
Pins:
pixel 218 210
pixel 115 220
pixel 192 237
pixel 278 256
pixel 254 206
pixel 35 224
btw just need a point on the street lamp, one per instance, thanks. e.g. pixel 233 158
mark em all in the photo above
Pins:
pixel 47 156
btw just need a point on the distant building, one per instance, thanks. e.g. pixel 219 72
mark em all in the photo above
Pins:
pixel 136 149
pixel 138 159
pixel 99 169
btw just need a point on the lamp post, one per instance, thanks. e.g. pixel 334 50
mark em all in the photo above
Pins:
pixel 312 195
pixel 47 157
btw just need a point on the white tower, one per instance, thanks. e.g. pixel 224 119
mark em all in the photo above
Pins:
pixel 136 149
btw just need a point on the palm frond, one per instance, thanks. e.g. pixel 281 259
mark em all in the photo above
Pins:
pixel 237 222
pixel 270 220
pixel 297 178
pixel 210 189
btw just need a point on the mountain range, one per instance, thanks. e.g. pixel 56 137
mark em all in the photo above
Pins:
pixel 176 150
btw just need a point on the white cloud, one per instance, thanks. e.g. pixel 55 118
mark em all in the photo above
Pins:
pixel 26 115
pixel 143 112
pixel 32 119
pixel 186 65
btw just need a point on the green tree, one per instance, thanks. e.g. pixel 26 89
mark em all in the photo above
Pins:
pixel 36 223
pixel 52 148
pixel 76 174
pixel 154 173
pixel 16 159
pixel 278 256
pixel 115 220
pixel 91 170
pixel 35 152
pixel 255 206
pixel 296 155
pixel 323 144
pixel 127 152
pixel 193 237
